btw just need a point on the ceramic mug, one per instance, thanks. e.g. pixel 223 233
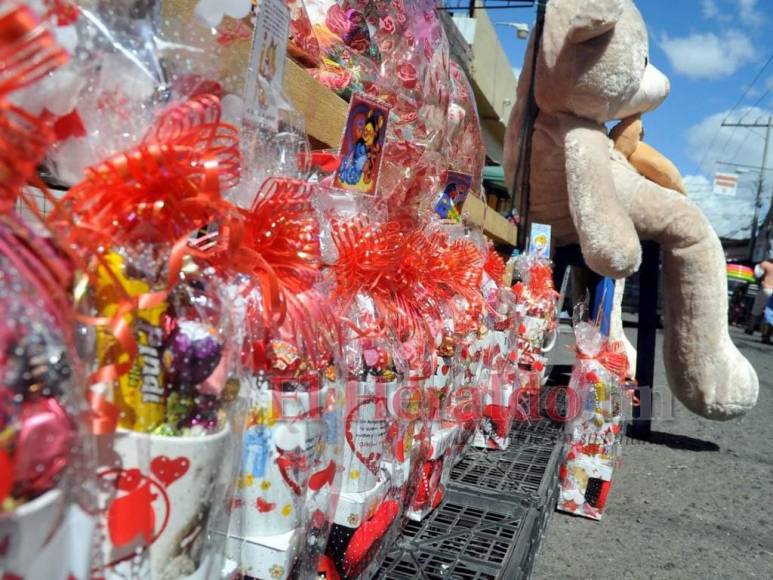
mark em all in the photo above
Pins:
pixel 156 497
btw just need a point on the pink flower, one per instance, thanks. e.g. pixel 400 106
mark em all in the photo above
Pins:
pixel 402 17
pixel 407 74
pixel 386 44
pixel 387 25
pixel 336 20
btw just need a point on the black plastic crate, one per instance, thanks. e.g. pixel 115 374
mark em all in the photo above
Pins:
pixel 468 537
pixel 539 431
pixel 526 470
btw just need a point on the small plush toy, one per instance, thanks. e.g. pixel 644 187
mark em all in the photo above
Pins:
pixel 593 67
pixel 627 136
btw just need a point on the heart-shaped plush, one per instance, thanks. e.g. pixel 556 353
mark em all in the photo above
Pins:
pixel 167 470
pixel 322 478
pixel 368 536
pixel 372 459
pixel 211 12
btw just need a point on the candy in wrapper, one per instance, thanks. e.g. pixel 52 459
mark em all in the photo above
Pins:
pixel 141 394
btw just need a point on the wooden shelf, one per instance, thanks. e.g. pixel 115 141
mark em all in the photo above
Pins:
pixel 324 111
pixel 325 114
pixel 494 225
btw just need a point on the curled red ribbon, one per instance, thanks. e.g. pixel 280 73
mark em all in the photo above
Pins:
pixel 159 192
pixel 279 248
pixel 612 357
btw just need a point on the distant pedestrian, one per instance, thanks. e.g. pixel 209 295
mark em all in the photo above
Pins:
pixel 764 272
pixel 767 324
pixel 737 305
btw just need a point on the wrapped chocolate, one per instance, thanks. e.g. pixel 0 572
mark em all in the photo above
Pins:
pixel 595 427
pixel 162 378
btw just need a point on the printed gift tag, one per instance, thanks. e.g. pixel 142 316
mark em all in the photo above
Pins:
pixel 362 145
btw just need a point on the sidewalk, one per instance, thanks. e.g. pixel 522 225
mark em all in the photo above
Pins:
pixel 696 502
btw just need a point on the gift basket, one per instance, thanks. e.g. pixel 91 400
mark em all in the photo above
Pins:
pixel 288 480
pixel 499 376
pixel 595 421
pixel 47 486
pixel 384 419
pixel 163 380
pixel 453 270
pixel 537 301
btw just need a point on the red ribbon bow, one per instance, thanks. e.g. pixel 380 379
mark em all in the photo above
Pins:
pixel 612 357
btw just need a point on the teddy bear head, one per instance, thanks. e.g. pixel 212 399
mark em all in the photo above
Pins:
pixel 594 61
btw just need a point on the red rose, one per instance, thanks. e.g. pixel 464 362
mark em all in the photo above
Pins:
pixel 387 25
pixel 407 74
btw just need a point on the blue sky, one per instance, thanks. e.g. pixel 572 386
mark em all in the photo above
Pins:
pixel 711 50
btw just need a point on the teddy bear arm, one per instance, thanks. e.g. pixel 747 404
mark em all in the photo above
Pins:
pixel 609 242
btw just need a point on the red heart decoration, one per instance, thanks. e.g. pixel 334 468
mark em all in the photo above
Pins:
pixel 132 515
pixel 444 369
pixel 292 464
pixel 264 506
pixel 167 471
pixel 128 480
pixel 438 497
pixel 369 535
pixel 324 477
pixel 372 460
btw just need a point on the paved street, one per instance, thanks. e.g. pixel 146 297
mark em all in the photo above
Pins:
pixel 697 502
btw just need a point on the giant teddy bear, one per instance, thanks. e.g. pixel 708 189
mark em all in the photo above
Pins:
pixel 592 67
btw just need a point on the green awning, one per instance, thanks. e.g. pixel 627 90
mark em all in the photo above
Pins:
pixel 494 175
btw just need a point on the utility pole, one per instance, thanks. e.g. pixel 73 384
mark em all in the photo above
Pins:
pixel 757 201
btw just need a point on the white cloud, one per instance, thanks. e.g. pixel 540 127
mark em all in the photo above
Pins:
pixel 710 8
pixel 750 16
pixel 709 142
pixel 707 55
pixel 517 71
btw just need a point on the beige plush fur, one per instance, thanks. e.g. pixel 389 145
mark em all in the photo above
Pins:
pixel 593 68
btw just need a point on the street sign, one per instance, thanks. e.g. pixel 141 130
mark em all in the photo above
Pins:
pixel 725 183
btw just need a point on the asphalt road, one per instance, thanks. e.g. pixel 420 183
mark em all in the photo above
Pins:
pixel 696 502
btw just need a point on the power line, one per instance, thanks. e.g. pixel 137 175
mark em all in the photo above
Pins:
pixel 727 116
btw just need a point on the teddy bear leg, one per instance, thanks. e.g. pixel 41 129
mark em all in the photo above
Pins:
pixel 705 370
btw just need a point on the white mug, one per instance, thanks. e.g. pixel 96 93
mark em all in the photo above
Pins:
pixel 157 495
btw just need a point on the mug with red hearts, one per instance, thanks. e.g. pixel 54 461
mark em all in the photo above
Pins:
pixel 285 461
pixel 157 496
pixel 369 422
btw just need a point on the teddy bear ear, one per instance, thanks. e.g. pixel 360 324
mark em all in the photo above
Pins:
pixel 592 18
